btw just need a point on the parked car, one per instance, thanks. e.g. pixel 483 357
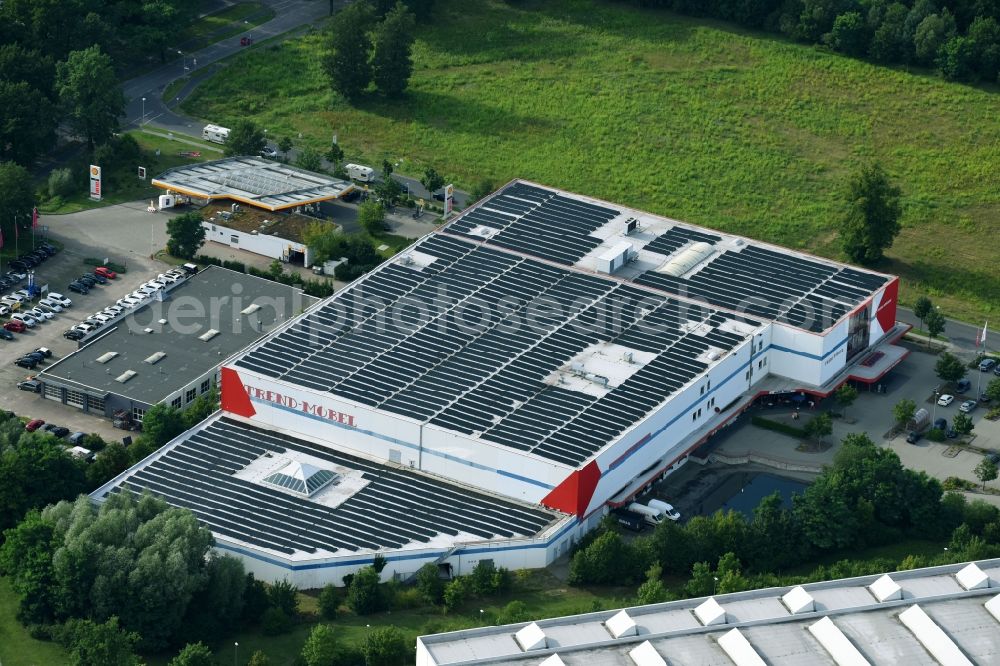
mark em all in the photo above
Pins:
pixel 15 326
pixel 78 287
pixel 18 265
pixel 951 433
pixel 987 364
pixel 26 362
pixel 993 457
pixel 101 317
pixel 941 424
pixel 44 351
pixel 629 520
pixel 89 280
pixel 59 298
pixel 24 294
pixel 58 431
pixel 106 272
pixel 10 304
pixel 5 334
pixel 946 400
pixel 33 425
pixel 73 334
pixel 25 319
pixel 913 437
pixel 5 310
pixel 76 437
pixel 967 406
pixel 269 152
pixel 40 314
pixel 99 279
pixel 31 385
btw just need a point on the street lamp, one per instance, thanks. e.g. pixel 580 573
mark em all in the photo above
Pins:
pixel 236 652
pixel 141 122
pixel 715 583
pixel 934 408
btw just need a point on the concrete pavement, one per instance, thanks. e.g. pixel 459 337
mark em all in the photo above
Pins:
pixel 960 334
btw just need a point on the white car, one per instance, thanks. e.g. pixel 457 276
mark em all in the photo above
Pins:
pixel 128 302
pixel 59 298
pixel 168 278
pixel 15 297
pixel 965 407
pixel 23 293
pixel 4 310
pixel 139 295
pixel 25 319
pixel 51 304
pixel 113 310
pixel 668 509
pixel 84 327
pixel 40 314
pixel 101 317
pixel 946 400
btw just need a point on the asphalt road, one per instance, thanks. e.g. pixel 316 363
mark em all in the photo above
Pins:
pixel 959 333
pixel 154 112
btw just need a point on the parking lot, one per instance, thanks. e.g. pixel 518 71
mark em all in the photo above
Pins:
pixel 112 233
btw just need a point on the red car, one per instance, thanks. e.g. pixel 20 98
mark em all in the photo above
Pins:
pixel 33 425
pixel 15 325
pixel 103 271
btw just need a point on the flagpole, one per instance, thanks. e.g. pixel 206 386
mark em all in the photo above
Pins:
pixel 979 383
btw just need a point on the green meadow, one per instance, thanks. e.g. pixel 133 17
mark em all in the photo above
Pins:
pixel 700 121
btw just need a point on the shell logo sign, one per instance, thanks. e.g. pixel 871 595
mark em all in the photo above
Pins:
pixel 95 182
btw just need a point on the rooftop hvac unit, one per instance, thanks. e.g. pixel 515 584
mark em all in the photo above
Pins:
pixel 208 335
pixel 614 257
pixel 631 225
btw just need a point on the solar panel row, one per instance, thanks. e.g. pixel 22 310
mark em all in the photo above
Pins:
pixel 396 507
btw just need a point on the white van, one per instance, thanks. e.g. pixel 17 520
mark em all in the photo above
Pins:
pixel 215 133
pixel 649 514
pixel 360 173
pixel 668 509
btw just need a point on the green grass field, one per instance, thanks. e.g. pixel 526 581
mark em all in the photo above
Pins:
pixel 699 121
pixel 17 648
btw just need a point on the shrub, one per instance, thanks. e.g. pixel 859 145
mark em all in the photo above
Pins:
pixel 275 621
pixel 237 266
pixel 385 646
pixel 936 435
pixel 365 594
pixel 407 598
pixel 513 613
pixel 457 592
pixel 284 596
pixel 777 426
pixel 955 483
pixel 61 183
pixel 429 583
pixel 329 602
pixel 320 648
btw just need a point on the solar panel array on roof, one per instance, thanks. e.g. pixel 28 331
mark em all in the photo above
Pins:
pixel 488 380
pixel 766 283
pixel 396 507
pixel 537 222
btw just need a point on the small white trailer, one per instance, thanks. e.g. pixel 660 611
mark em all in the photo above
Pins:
pixel 215 133
pixel 360 173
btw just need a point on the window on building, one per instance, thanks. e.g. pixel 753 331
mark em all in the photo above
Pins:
pixel 205 385
pixel 709 385
pixel 176 402
pixel 190 394
pixel 234 239
pixel 95 404
pixel 702 390
pixel 138 414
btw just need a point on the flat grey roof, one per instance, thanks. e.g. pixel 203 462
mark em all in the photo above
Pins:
pixel 254 181
pixel 213 299
pixel 938 616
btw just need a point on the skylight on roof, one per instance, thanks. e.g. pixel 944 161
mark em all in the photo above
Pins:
pixel 300 478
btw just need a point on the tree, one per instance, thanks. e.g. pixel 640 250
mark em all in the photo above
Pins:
pixel 432 180
pixel 652 591
pixel 986 471
pixel 607 560
pixel 948 368
pixel 17 200
pixel 846 395
pixel 254 599
pixel 371 215
pixel 186 235
pixel 872 220
pixel 321 647
pixel 365 594
pixel 932 34
pixel 26 556
pixel 457 592
pixel 347 64
pixel 27 122
pixel 962 423
pixel 389 190
pixel 985 35
pixel 34 473
pixel 309 159
pixel 285 145
pixel 849 34
pixel 429 583
pixel 93 644
pixel 935 325
pixel 335 155
pixel 245 138
pixel 890 42
pixel 903 411
pixel 216 608
pixel 385 646
pixel 162 423
pixel 108 464
pixel 274 622
pixel 258 658
pixel 90 94
pixel 702 582
pixel 993 390
pixel 819 426
pixel 957 59
pixel 285 596
pixel 921 308
pixel 392 60
pixel 194 654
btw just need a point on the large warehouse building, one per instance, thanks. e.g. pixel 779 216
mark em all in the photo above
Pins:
pixel 544 353
pixel 946 616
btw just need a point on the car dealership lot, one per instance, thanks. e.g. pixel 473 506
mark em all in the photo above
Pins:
pixel 57 272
